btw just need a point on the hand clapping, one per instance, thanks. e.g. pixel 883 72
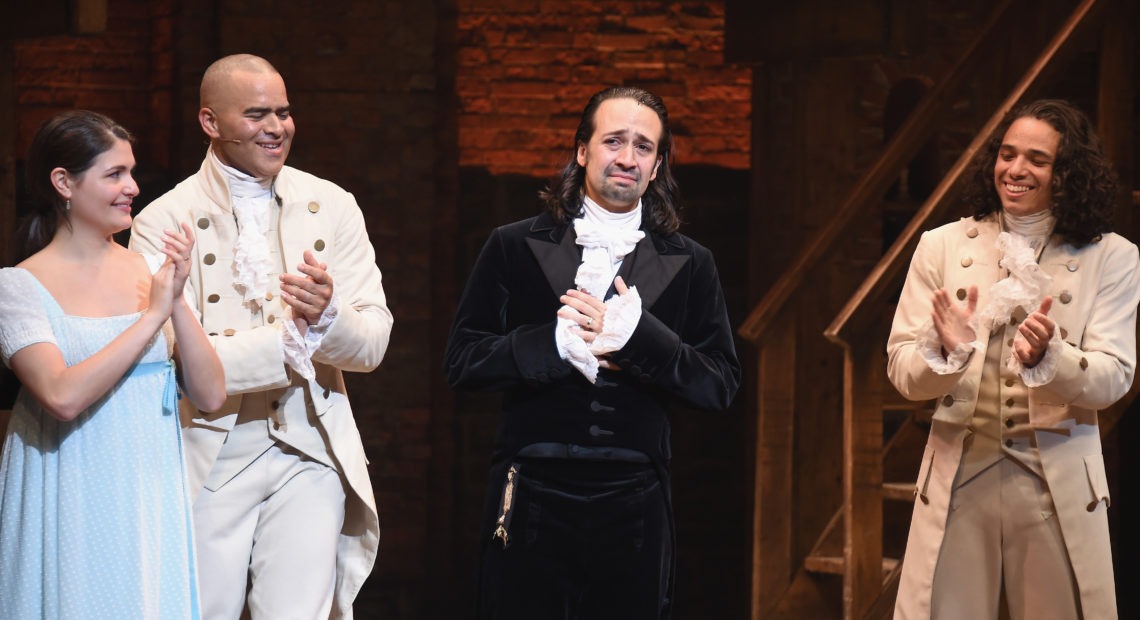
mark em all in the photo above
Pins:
pixel 952 321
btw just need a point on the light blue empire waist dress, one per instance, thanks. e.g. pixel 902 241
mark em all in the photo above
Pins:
pixel 94 513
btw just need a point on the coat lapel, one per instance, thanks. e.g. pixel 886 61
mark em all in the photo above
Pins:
pixel 650 270
pixel 558 257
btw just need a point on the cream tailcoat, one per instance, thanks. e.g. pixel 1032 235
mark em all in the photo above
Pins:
pixel 1095 292
pixel 315 215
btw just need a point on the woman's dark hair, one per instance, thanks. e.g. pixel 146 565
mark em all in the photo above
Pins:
pixel 662 200
pixel 1084 182
pixel 71 140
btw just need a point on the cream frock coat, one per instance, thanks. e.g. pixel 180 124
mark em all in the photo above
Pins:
pixel 315 215
pixel 1095 292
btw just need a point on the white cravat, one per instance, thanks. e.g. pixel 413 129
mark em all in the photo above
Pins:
pixel 251 199
pixel 606 238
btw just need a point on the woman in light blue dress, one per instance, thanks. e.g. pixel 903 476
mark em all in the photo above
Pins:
pixel 94 516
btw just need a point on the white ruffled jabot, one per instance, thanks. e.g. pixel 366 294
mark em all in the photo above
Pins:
pixel 1024 287
pixel 251 199
pixel 606 238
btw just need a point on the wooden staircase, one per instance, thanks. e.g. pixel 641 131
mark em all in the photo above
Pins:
pixel 852 570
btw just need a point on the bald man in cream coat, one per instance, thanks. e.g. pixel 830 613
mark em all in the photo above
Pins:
pixel 285 281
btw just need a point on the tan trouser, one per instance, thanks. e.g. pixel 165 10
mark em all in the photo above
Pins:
pixel 1002 526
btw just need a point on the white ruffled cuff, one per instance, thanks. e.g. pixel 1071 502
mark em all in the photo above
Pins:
pixel 299 349
pixel 1045 370
pixel 623 313
pixel 573 349
pixel 930 348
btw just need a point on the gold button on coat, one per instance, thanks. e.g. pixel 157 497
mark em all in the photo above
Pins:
pixel 1084 363
pixel 1073 265
pixel 203 223
pixel 947 400
pixel 213 298
pixel 972 232
pixel 960 294
pixel 967 261
pixel 229 332
pixel 209 259
pixel 319 245
pixel 1066 297
pixel 271 318
pixel 314 207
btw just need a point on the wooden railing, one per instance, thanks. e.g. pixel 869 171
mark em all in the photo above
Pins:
pixel 869 189
pixel 772 529
pixel 886 275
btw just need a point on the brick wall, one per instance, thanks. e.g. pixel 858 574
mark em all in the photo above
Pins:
pixel 119 72
pixel 527 67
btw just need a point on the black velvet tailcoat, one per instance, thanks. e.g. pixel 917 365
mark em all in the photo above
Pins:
pixel 503 340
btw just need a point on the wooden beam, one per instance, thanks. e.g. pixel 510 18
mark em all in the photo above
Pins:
pixel 864 376
pixel 89 16
pixel 772 500
pixel 7 154
pixel 1115 99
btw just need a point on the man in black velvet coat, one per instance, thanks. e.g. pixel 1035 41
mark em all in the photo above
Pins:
pixel 578 521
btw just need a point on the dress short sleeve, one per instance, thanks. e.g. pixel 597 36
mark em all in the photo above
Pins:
pixel 23 319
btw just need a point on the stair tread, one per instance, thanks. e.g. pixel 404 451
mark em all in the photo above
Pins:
pixel 834 564
pixel 898 491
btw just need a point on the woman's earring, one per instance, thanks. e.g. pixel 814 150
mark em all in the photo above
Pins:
pixel 67 207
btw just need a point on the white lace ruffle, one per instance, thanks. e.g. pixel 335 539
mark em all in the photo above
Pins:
pixel 299 349
pixel 251 199
pixel 252 264
pixel 1045 370
pixel 623 313
pixel 1024 288
pixel 930 348
pixel 573 349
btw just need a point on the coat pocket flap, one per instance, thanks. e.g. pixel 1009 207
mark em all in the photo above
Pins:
pixel 924 474
pixel 1098 482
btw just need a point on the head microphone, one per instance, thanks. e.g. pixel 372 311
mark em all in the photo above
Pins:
pixel 234 140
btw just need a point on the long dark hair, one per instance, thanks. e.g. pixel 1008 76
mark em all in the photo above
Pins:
pixel 661 204
pixel 71 140
pixel 1084 182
